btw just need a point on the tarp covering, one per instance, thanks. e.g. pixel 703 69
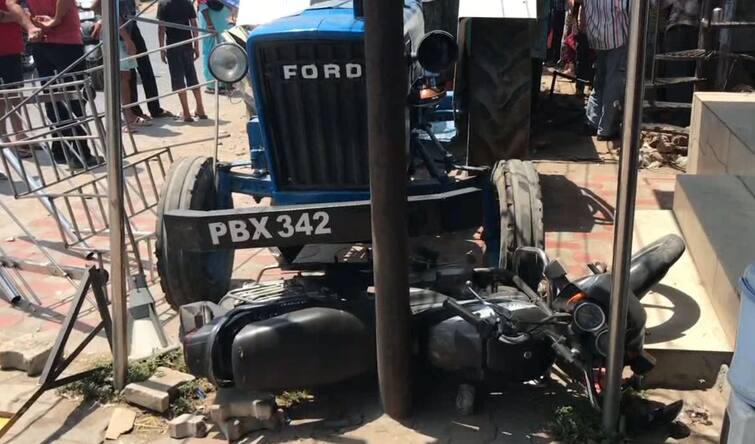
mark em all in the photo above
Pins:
pixel 526 9
pixel 257 12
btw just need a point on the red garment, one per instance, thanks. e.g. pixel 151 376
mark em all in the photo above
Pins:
pixel 67 32
pixel 11 39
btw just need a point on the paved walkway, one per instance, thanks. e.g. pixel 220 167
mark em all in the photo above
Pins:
pixel 579 197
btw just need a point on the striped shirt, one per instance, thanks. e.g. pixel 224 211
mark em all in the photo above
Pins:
pixel 607 23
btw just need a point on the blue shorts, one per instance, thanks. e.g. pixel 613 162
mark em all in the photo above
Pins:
pixel 126 65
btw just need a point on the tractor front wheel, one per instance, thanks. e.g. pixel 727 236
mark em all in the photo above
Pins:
pixel 520 206
pixel 189 276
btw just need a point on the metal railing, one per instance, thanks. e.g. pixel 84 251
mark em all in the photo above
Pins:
pixel 55 152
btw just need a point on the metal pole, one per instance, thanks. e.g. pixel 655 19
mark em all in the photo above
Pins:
pixel 622 242
pixel 111 62
pixel 386 116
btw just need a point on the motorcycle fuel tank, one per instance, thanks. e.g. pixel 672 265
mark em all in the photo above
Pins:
pixel 455 345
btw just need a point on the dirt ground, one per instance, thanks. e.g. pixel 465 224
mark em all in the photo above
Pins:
pixel 579 178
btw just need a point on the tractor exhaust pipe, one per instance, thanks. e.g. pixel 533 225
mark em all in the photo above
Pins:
pixel 359 9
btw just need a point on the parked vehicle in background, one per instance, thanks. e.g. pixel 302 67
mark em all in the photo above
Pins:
pixel 88 20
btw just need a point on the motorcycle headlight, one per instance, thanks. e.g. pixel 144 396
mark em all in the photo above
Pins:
pixel 228 62
pixel 589 317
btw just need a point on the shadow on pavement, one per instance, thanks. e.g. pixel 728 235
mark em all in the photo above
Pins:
pixel 570 208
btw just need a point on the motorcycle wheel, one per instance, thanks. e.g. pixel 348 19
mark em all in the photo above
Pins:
pixel 187 276
pixel 520 206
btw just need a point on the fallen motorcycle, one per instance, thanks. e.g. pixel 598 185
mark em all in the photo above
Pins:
pixel 486 327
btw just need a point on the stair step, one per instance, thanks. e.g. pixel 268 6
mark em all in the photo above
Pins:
pixel 665 128
pixel 690 54
pixel 660 82
pixel 725 25
pixel 700 54
pixel 656 104
pixel 683 330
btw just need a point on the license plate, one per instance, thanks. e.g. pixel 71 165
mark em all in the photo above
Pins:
pixel 86 15
pixel 297 225
pixel 303 225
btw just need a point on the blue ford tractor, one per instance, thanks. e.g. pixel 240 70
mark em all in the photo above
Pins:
pixel 488 306
pixel 308 154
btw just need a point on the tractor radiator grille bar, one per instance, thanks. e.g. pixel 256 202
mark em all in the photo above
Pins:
pixel 314 102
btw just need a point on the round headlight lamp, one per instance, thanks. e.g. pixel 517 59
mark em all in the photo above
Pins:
pixel 589 317
pixel 601 342
pixel 436 51
pixel 228 62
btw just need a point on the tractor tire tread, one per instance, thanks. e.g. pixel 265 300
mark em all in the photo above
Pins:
pixel 184 278
pixel 520 207
pixel 499 93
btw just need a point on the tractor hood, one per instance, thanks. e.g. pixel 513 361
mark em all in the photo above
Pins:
pixel 295 19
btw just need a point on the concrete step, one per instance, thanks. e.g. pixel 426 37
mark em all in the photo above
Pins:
pixel 684 332
pixel 716 213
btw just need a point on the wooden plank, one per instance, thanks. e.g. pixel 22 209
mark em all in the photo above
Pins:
pixel 665 81
pixel 663 128
pixel 655 104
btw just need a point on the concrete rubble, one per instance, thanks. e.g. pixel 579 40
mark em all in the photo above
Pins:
pixel 122 421
pixel 188 426
pixel 660 150
pixel 27 353
pixel 155 393
pixel 239 412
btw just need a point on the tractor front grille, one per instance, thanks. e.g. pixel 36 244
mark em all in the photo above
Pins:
pixel 315 108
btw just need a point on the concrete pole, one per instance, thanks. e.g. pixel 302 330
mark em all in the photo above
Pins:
pixel 111 62
pixel 386 67
pixel 627 192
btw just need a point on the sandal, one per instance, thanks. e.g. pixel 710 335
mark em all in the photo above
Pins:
pixel 127 128
pixel 139 121
pixel 187 119
pixel 201 116
pixel 22 151
pixel 163 113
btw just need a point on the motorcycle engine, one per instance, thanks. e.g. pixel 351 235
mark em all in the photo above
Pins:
pixel 455 345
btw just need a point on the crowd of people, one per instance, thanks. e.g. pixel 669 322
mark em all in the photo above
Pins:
pixel 588 40
pixel 53 32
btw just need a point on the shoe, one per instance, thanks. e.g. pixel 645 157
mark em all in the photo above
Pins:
pixel 588 130
pixel 602 138
pixel 91 161
pixel 162 113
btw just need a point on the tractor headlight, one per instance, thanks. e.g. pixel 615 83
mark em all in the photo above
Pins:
pixel 436 51
pixel 228 62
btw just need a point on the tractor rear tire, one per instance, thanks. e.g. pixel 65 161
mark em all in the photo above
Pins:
pixel 521 208
pixel 189 276
pixel 499 98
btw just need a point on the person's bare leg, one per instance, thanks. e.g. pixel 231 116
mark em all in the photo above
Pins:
pixel 200 105
pixel 17 123
pixel 17 126
pixel 128 113
pixel 185 113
